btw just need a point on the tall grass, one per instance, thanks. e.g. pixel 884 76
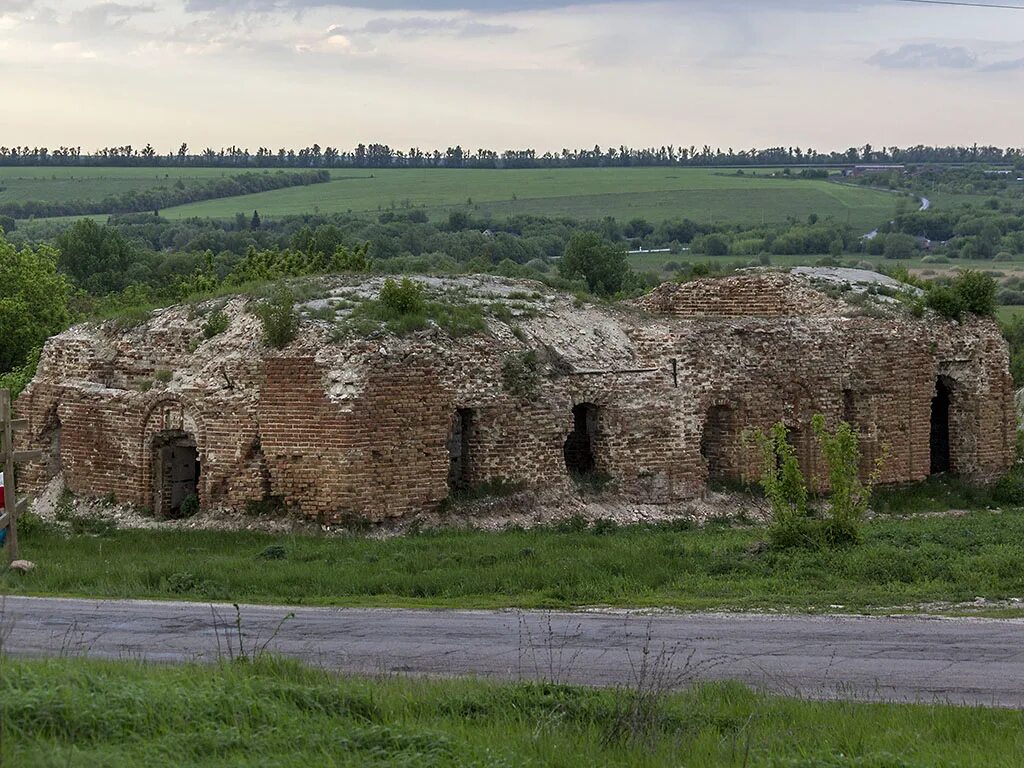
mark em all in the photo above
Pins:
pixel 277 713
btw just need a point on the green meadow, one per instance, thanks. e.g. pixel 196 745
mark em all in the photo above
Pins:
pixel 655 194
pixel 18 185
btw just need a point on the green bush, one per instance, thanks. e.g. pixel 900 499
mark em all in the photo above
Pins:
pixel 405 298
pixel 795 524
pixel 970 291
pixel 280 321
pixel 216 323
pixel 977 291
pixel 945 301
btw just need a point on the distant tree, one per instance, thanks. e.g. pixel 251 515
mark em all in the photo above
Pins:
pixel 638 228
pixel 33 302
pixel 899 246
pixel 602 265
pixel 96 257
pixel 255 223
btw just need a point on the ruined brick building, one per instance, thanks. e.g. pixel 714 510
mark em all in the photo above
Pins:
pixel 656 395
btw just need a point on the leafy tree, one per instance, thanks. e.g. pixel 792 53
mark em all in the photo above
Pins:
pixel 33 302
pixel 899 246
pixel 97 257
pixel 598 262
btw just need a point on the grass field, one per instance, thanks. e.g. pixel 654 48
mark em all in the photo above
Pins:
pixel 652 193
pixel 901 562
pixel 1010 312
pixel 270 712
pixel 19 185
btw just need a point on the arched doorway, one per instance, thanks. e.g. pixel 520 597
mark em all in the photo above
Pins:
pixel 940 453
pixel 176 471
pixel 579 446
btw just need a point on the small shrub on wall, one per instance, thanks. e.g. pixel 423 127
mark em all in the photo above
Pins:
pixel 280 322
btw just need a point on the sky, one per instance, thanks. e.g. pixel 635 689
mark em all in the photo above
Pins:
pixel 501 74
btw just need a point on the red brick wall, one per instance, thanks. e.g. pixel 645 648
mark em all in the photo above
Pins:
pixel 272 424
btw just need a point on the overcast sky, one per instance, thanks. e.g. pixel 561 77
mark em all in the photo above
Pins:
pixel 509 73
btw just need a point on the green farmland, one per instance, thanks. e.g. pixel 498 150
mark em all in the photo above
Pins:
pixel 18 185
pixel 655 194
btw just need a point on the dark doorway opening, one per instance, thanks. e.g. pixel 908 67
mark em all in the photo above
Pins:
pixel 176 473
pixel 849 408
pixel 579 447
pixel 715 443
pixel 459 457
pixel 940 427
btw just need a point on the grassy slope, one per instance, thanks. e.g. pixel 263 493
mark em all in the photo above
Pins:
pixel 271 712
pixel 901 562
pixel 63 184
pixel 653 193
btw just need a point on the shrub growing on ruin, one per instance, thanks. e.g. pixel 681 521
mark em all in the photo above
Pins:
pixel 970 291
pixel 280 322
pixel 945 301
pixel 216 323
pixel 784 488
pixel 848 496
pixel 835 522
pixel 521 374
pixel 977 291
pixel 404 298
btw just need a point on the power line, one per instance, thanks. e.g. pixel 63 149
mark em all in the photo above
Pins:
pixel 965 5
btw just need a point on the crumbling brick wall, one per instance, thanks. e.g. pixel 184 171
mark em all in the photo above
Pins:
pixel 363 428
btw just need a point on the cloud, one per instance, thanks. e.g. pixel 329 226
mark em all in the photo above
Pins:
pixel 106 16
pixel 14 6
pixel 418 26
pixel 926 56
pixel 1012 65
pixel 429 6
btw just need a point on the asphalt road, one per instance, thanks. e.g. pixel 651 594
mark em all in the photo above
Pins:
pixel 960 661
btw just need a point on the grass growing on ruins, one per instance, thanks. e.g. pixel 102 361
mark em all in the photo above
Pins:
pixel 900 562
pixel 275 712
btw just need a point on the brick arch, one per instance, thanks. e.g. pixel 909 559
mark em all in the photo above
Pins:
pixel 169 412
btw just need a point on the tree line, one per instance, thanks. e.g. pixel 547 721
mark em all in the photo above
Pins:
pixel 378 155
pixel 180 192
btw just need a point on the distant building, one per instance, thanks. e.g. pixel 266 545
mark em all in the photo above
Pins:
pixel 870 170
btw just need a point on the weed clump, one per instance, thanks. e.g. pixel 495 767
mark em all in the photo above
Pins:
pixel 403 308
